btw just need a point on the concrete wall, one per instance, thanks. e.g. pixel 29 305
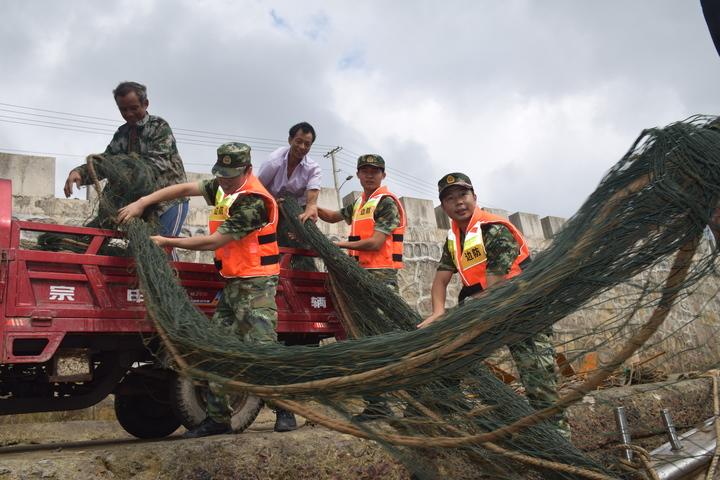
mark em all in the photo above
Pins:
pixel 687 337
pixel 30 175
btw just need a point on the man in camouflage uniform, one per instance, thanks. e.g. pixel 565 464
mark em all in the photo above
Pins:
pixel 503 251
pixel 371 173
pixel 150 139
pixel 377 222
pixel 244 212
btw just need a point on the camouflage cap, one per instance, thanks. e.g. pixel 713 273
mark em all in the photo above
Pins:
pixel 452 180
pixel 372 160
pixel 231 159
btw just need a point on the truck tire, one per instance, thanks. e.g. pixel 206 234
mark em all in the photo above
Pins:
pixel 188 404
pixel 143 417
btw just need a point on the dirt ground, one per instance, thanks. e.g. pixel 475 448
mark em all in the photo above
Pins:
pixel 102 450
pixel 258 453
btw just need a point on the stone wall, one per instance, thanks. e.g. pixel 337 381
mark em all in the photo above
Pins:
pixel 687 338
pixel 31 175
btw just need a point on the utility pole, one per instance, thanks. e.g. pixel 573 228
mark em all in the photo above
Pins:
pixel 331 154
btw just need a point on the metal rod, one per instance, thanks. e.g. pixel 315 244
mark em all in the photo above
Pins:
pixel 670 427
pixel 624 430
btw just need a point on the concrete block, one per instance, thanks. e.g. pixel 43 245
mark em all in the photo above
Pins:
pixel 334 231
pixel 497 211
pixel 420 212
pixel 351 197
pixel 30 175
pixel 70 211
pixel 328 199
pixel 528 224
pixel 551 226
pixel 197 217
pixel 441 219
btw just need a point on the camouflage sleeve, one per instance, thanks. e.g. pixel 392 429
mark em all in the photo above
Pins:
pixel 208 188
pixel 446 263
pixel 347 213
pixel 387 216
pixel 85 178
pixel 113 148
pixel 247 214
pixel 501 248
pixel 161 151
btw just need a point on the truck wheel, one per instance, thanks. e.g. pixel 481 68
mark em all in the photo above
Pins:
pixel 143 410
pixel 189 405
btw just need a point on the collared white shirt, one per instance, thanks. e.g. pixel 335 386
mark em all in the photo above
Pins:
pixel 273 175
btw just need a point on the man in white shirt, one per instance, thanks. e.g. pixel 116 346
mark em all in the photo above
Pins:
pixel 289 171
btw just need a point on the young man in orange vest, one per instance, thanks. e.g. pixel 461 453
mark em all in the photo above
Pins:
pixel 486 250
pixel 242 226
pixel 377 225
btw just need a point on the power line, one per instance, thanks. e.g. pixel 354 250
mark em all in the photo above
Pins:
pixel 395 173
pixel 69 114
pixel 426 185
pixel 184 136
pixel 75 128
pixel 425 191
pixel 104 124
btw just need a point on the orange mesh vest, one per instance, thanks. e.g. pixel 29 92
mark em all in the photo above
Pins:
pixel 363 226
pixel 257 253
pixel 470 258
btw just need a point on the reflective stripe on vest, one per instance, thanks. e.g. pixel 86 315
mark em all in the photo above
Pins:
pixel 363 226
pixel 257 253
pixel 470 258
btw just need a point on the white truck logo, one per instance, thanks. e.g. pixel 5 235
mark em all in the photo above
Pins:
pixel 318 302
pixel 62 293
pixel 134 295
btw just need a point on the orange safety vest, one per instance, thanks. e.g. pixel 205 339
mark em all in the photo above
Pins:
pixel 257 253
pixel 470 258
pixel 363 226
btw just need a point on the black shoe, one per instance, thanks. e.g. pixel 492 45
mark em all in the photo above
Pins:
pixel 208 427
pixel 284 421
pixel 373 411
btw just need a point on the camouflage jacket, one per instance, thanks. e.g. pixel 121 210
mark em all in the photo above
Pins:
pixel 500 246
pixel 247 213
pixel 153 142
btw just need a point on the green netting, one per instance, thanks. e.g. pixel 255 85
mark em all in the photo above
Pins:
pixel 128 177
pixel 653 204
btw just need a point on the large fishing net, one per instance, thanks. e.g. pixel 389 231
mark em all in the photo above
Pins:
pixel 648 214
pixel 126 177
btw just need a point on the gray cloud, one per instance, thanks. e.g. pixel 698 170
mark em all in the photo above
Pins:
pixel 533 100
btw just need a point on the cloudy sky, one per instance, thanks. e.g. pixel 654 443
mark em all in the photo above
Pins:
pixel 535 100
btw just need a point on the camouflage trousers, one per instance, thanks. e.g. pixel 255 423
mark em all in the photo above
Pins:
pixel 535 361
pixel 388 277
pixel 247 310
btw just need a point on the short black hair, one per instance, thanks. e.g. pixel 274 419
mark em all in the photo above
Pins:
pixel 124 88
pixel 305 127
